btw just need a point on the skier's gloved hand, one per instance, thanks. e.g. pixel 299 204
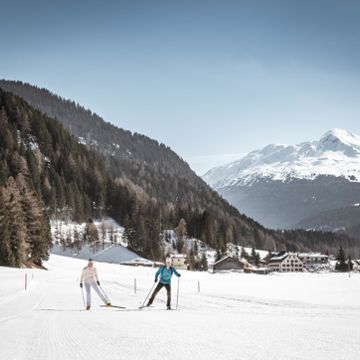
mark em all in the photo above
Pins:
pixel 81 285
pixel 179 275
pixel 98 282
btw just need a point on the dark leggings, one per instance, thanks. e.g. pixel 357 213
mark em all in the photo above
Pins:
pixel 157 289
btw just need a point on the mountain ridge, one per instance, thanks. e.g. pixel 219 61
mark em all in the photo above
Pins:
pixel 337 153
pixel 307 185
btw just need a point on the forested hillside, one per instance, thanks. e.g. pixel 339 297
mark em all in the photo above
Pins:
pixel 67 178
pixel 39 156
pixel 151 165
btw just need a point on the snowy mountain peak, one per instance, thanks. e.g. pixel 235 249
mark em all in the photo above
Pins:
pixel 337 153
pixel 340 140
pixel 342 135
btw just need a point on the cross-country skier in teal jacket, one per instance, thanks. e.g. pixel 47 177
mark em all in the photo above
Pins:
pixel 165 272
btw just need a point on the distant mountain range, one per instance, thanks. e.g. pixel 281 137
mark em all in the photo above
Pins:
pixel 336 154
pixel 308 185
pixel 104 170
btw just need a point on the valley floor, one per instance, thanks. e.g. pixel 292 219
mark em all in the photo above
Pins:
pixel 235 316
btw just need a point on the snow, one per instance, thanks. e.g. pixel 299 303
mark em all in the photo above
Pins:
pixel 108 229
pixel 110 253
pixel 82 140
pixel 112 248
pixel 33 145
pixel 312 255
pixel 262 253
pixel 279 316
pixel 337 153
pixel 279 258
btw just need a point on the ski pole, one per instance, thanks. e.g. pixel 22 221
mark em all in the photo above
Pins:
pixel 106 297
pixel 143 304
pixel 177 296
pixel 83 297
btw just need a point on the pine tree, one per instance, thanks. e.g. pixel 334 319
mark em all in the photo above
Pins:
pixel 244 254
pixel 41 250
pixel 257 259
pixel 112 236
pixel 180 232
pixel 103 234
pixel 18 245
pixel 77 240
pixel 192 259
pixel 350 263
pixel 341 256
pixel 341 260
pixel 204 262
pixel 236 251
pixel 32 216
pixel 129 237
pixel 78 201
pixel 69 240
pixel 153 244
pixel 5 250
pixel 141 236
pixel 91 235
pixel 268 256
pixel 218 255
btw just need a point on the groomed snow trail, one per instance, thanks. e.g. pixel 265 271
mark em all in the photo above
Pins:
pixel 236 316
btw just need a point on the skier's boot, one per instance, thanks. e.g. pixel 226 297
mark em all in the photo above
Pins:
pixel 169 307
pixel 109 304
pixel 88 307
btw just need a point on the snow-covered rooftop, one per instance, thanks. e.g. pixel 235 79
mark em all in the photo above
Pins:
pixel 314 255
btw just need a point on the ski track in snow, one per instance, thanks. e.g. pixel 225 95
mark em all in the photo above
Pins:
pixel 291 316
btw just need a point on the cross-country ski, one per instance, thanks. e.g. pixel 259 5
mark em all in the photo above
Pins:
pixel 113 306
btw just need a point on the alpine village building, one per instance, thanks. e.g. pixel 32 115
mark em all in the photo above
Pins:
pixel 286 262
pixel 231 263
pixel 281 262
pixel 314 260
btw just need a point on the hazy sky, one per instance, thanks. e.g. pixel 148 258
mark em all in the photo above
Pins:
pixel 211 79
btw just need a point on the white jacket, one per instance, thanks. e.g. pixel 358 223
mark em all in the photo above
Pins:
pixel 89 275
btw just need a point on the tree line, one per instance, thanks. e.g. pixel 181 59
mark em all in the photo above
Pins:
pixel 24 225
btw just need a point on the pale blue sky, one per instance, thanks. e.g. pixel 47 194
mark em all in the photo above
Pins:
pixel 211 79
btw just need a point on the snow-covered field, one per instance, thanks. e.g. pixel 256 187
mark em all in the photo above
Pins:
pixel 235 316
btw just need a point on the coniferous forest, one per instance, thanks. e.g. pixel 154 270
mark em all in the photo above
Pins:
pixel 45 172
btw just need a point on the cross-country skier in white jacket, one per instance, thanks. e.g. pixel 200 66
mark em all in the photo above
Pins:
pixel 90 278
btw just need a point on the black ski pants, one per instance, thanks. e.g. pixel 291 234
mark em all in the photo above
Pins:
pixel 157 289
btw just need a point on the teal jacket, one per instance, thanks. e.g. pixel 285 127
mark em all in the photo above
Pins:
pixel 166 274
